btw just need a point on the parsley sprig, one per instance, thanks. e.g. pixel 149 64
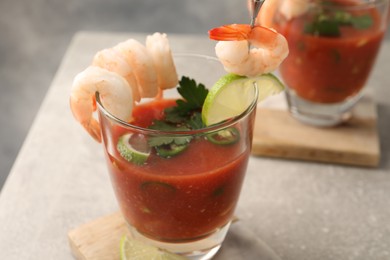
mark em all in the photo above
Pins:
pixel 188 109
pixel 186 115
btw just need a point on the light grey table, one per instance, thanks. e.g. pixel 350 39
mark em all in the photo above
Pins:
pixel 300 210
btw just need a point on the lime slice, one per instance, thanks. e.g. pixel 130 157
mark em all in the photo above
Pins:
pixel 134 148
pixel 131 249
pixel 232 94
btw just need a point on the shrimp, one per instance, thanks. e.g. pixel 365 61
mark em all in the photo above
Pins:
pixel 294 8
pixel 288 8
pixel 158 46
pixel 141 61
pixel 234 50
pixel 115 93
pixel 113 61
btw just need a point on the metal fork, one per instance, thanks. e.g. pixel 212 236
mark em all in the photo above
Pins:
pixel 256 4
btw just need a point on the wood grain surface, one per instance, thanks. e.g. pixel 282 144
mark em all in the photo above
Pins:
pixel 356 142
pixel 98 239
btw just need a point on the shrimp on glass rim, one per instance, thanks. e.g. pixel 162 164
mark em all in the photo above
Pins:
pixel 115 93
pixel 123 75
pixel 249 51
pixel 114 61
pixel 143 65
pixel 158 46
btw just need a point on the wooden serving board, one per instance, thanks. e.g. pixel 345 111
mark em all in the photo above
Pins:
pixel 98 239
pixel 355 142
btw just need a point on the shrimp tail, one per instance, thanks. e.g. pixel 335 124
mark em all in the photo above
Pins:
pixel 240 32
pixel 249 50
pixel 231 32
pixel 263 35
pixel 114 90
pixel 93 128
pixel 89 123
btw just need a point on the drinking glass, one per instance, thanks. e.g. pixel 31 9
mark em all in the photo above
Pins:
pixel 333 46
pixel 182 202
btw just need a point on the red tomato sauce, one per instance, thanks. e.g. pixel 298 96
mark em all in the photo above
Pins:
pixel 329 69
pixel 144 114
pixel 183 198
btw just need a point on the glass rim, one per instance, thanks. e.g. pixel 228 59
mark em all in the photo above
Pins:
pixel 215 127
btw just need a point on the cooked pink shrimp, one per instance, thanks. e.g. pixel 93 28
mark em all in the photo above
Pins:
pixel 112 60
pixel 288 8
pixel 294 8
pixel 142 63
pixel 115 93
pixel 234 50
pixel 158 47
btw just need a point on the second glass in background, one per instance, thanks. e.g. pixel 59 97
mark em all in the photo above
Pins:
pixel 333 47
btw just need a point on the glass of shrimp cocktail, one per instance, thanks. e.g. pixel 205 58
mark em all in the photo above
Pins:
pixel 333 46
pixel 176 149
pixel 177 181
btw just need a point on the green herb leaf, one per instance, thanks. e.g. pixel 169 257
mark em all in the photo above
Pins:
pixel 194 94
pixel 342 18
pixel 165 140
pixel 184 116
pixel 193 98
pixel 323 27
pixel 329 25
pixel 174 115
pixel 162 140
pixel 196 121
pixel 165 126
pixel 362 22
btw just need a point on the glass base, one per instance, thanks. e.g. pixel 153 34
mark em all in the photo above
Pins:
pixel 202 249
pixel 317 114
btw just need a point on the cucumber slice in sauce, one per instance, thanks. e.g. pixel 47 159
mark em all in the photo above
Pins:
pixel 170 150
pixel 157 185
pixel 133 148
pixel 219 191
pixel 156 194
pixel 226 136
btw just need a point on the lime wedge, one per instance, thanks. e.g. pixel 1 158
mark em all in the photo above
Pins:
pixel 131 249
pixel 232 94
pixel 134 148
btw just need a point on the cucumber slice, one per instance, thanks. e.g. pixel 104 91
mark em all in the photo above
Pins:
pixel 156 195
pixel 225 137
pixel 170 150
pixel 157 185
pixel 134 148
pixel 219 191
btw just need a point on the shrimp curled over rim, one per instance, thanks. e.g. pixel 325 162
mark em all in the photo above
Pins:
pixel 122 75
pixel 114 61
pixel 158 46
pixel 142 63
pixel 248 51
pixel 114 91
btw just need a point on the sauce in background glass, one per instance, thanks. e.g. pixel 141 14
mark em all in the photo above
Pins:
pixel 330 69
